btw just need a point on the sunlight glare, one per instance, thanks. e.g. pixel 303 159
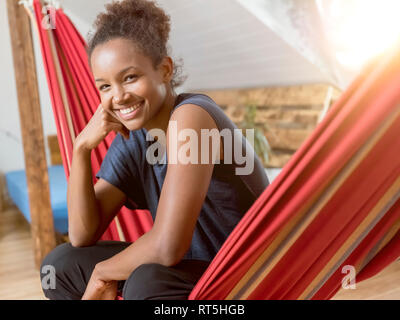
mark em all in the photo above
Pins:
pixel 361 29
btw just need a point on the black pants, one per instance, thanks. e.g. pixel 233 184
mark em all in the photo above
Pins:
pixel 74 266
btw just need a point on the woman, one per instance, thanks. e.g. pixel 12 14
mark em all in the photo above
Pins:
pixel 195 205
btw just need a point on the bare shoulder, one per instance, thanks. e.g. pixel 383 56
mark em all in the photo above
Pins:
pixel 193 116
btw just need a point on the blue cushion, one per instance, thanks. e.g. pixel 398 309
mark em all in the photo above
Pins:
pixel 18 191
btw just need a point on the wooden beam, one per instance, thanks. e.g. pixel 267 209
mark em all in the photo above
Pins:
pixel 275 97
pixel 42 227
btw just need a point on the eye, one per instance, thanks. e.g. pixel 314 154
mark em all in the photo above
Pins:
pixel 103 86
pixel 130 77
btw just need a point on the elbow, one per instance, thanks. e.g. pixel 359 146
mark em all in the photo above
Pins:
pixel 170 255
pixel 166 250
pixel 76 243
pixel 170 260
pixel 81 237
pixel 79 242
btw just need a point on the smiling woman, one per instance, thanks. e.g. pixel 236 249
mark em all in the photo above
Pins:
pixel 134 94
pixel 195 206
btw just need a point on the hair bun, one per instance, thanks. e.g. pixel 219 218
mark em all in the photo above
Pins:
pixel 141 21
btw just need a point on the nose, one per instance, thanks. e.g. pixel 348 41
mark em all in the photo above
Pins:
pixel 120 96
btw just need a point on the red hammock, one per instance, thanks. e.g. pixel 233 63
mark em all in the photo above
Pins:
pixel 74 99
pixel 335 203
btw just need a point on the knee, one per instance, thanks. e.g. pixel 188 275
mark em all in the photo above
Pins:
pixel 61 263
pixel 142 284
pixel 60 258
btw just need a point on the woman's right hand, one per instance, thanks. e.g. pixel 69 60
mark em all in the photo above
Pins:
pixel 99 127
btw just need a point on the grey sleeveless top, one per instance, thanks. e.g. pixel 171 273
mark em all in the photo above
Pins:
pixel 228 198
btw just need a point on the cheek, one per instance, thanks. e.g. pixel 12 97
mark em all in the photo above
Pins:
pixel 140 89
pixel 158 99
pixel 159 92
pixel 106 100
pixel 162 90
pixel 153 92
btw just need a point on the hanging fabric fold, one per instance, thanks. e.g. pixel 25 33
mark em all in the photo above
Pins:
pixel 74 100
pixel 335 204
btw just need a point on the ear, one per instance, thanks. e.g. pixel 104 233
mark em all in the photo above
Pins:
pixel 167 69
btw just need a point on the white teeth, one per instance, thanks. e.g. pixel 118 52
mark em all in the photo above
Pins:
pixel 129 110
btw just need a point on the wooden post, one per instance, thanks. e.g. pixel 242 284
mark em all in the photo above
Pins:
pixel 42 227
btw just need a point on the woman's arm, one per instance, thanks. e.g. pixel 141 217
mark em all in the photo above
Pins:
pixel 91 208
pixel 182 197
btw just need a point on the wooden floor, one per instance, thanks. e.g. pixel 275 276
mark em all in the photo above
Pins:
pixel 20 280
pixel 18 277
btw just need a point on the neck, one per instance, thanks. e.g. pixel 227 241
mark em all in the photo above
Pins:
pixel 160 121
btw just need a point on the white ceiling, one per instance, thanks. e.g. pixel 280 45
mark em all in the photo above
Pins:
pixel 222 45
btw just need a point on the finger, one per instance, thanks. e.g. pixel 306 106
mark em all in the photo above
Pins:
pixel 118 127
pixel 109 116
pixel 99 108
pixel 125 133
pixel 110 120
pixel 112 114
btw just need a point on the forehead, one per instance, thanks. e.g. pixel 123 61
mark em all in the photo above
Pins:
pixel 115 55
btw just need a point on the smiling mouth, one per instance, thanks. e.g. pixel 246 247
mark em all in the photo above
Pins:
pixel 130 109
pixel 129 112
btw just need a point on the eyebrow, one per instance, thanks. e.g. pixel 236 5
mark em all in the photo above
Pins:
pixel 122 71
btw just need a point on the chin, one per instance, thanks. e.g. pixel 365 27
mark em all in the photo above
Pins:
pixel 133 126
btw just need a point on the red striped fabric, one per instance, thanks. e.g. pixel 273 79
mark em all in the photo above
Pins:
pixel 74 96
pixel 332 203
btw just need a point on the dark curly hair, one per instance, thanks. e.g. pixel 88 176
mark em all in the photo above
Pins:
pixel 142 22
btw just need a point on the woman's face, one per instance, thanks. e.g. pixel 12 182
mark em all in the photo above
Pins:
pixel 130 88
